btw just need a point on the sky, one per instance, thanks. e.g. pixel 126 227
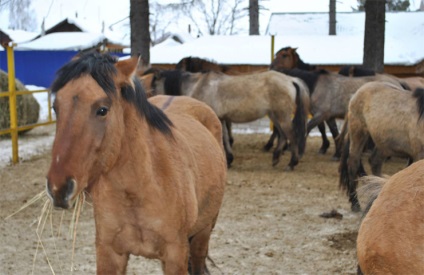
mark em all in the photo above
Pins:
pixel 108 11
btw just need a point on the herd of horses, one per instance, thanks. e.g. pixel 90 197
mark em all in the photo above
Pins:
pixel 136 142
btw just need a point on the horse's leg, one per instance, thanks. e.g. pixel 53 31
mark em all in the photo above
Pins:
pixel 332 124
pixel 281 139
pixel 270 142
pixel 376 161
pixel 199 245
pixel 325 141
pixel 110 262
pixel 358 139
pixel 175 258
pixel 284 126
pixel 230 133
pixel 318 120
pixel 226 141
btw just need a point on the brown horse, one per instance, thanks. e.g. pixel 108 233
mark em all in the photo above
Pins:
pixel 197 64
pixel 155 192
pixel 391 236
pixel 246 98
pixel 391 117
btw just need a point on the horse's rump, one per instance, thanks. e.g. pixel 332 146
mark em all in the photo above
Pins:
pixel 391 236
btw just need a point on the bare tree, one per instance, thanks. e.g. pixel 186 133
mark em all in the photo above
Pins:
pixel 375 16
pixel 215 17
pixel 140 34
pixel 21 16
pixel 253 17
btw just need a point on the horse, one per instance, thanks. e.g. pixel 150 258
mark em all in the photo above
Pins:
pixel 246 98
pixel 197 64
pixel 330 94
pixel 392 118
pixel 155 193
pixel 391 236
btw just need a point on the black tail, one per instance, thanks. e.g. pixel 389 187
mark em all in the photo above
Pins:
pixel 299 121
pixel 419 95
pixel 343 168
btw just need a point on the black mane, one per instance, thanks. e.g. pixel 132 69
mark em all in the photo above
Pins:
pixel 172 82
pixel 309 77
pixel 198 65
pixel 101 67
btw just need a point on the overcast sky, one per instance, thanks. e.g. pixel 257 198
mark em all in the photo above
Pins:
pixel 110 12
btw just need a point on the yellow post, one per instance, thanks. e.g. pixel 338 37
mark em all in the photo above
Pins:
pixel 12 104
pixel 271 126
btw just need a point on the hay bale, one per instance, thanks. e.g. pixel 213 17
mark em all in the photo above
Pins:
pixel 27 106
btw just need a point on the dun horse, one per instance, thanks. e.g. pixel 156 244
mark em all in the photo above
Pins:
pixel 330 95
pixel 155 192
pixel 246 98
pixel 392 118
pixel 391 236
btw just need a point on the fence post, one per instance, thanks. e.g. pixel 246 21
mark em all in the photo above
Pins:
pixel 12 104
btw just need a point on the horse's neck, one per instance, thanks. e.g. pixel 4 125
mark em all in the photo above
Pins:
pixel 305 66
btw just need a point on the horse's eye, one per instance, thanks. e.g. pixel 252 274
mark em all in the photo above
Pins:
pixel 284 55
pixel 102 111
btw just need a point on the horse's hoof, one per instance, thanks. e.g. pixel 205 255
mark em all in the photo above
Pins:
pixel 275 162
pixel 335 158
pixel 230 159
pixel 356 208
pixel 267 148
pixel 289 168
pixel 322 151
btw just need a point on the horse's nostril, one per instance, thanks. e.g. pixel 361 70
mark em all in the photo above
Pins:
pixel 61 196
pixel 70 185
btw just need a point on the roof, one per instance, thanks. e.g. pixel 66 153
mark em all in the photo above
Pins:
pixel 309 33
pixel 63 41
pixel 348 23
pixel 74 34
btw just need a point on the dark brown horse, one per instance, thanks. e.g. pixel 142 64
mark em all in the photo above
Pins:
pixel 392 118
pixel 391 236
pixel 197 64
pixel 155 192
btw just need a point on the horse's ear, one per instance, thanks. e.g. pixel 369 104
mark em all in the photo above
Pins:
pixel 294 49
pixel 128 66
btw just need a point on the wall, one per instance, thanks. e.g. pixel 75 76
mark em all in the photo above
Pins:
pixel 38 67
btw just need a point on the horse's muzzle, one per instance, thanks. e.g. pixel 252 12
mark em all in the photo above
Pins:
pixel 61 196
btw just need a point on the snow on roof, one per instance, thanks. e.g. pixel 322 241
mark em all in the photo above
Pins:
pixel 20 35
pixel 348 23
pixel 308 32
pixel 63 41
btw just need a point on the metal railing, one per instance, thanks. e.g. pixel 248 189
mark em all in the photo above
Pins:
pixel 12 94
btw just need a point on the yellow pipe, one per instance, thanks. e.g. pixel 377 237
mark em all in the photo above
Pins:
pixel 12 104
pixel 271 126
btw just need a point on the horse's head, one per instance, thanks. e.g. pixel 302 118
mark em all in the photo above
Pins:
pixel 90 118
pixel 285 58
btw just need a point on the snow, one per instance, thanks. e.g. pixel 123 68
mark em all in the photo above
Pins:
pixel 68 41
pixel 37 141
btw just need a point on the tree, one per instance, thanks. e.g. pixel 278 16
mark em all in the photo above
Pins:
pixel 391 5
pixel 140 34
pixel 215 17
pixel 332 30
pixel 21 16
pixel 253 17
pixel 375 17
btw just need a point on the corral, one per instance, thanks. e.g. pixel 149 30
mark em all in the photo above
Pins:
pixel 270 221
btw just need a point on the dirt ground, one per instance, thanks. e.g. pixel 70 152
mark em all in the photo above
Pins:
pixel 269 223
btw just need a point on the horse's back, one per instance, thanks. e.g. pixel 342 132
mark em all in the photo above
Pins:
pixel 198 110
pixel 391 236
